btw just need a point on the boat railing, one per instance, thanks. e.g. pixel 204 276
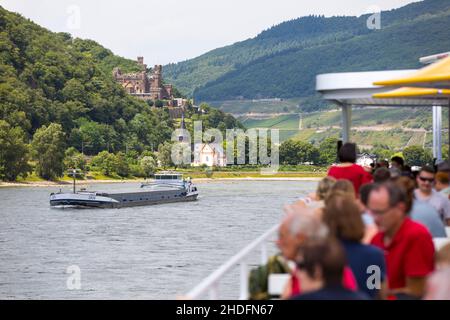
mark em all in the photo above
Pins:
pixel 211 283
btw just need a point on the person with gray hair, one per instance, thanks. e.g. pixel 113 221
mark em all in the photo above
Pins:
pixel 298 225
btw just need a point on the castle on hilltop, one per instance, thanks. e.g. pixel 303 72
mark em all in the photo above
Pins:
pixel 143 86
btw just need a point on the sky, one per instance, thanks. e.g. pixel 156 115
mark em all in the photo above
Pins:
pixel 169 31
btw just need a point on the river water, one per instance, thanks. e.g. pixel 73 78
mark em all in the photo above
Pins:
pixel 152 252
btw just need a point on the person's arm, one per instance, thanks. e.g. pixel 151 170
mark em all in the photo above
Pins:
pixel 415 287
pixel 447 212
pixel 299 204
pixel 370 231
pixel 287 292
pixel 382 293
pixel 419 263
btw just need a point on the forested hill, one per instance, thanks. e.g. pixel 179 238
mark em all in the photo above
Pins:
pixel 283 60
pixel 48 77
pixel 59 102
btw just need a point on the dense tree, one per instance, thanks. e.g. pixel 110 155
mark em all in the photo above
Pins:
pixel 48 149
pixel 92 137
pixel 122 166
pixel 148 165
pixel 297 152
pixel 382 152
pixel 14 152
pixel 105 162
pixel 445 152
pixel 417 156
pixel 165 154
pixel 328 151
pixel 73 159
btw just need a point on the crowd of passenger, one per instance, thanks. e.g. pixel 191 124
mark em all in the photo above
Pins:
pixel 367 233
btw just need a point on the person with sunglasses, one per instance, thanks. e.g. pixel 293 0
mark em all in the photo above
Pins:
pixel 426 193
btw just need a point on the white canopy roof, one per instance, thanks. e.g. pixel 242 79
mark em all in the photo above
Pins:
pixel 356 88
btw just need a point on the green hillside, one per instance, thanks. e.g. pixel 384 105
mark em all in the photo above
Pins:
pixel 48 77
pixel 392 127
pixel 284 60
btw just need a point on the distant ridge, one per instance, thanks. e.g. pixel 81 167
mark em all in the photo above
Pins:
pixel 281 62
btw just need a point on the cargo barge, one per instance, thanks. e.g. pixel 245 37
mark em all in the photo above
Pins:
pixel 165 188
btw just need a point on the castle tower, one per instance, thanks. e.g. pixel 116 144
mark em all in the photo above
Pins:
pixel 140 61
pixel 156 83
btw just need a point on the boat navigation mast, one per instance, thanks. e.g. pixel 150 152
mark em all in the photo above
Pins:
pixel 73 172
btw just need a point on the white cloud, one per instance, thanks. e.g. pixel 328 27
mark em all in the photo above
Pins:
pixel 175 30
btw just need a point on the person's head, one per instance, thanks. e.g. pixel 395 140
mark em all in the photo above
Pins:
pixel 408 186
pixel 343 218
pixel 444 167
pixel 320 263
pixel 383 164
pixel 342 186
pixel 387 203
pixel 382 174
pixel 324 187
pixel 425 179
pixel 442 181
pixel 397 162
pixel 364 192
pixel 298 225
pixel 395 173
pixel 363 199
pixel 347 153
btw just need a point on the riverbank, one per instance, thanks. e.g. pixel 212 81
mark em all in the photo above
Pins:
pixel 197 178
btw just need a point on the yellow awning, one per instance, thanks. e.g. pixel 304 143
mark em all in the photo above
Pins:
pixel 436 75
pixel 408 92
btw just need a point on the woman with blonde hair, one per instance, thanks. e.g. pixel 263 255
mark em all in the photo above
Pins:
pixel 316 200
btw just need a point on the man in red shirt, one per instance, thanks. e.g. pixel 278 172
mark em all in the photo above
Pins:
pixel 408 246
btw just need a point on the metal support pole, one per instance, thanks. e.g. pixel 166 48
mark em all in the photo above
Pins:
pixel 434 132
pixel 244 282
pixel 437 133
pixel 346 122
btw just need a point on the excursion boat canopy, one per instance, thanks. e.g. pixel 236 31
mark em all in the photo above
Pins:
pixel 407 92
pixel 436 75
pixel 359 89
